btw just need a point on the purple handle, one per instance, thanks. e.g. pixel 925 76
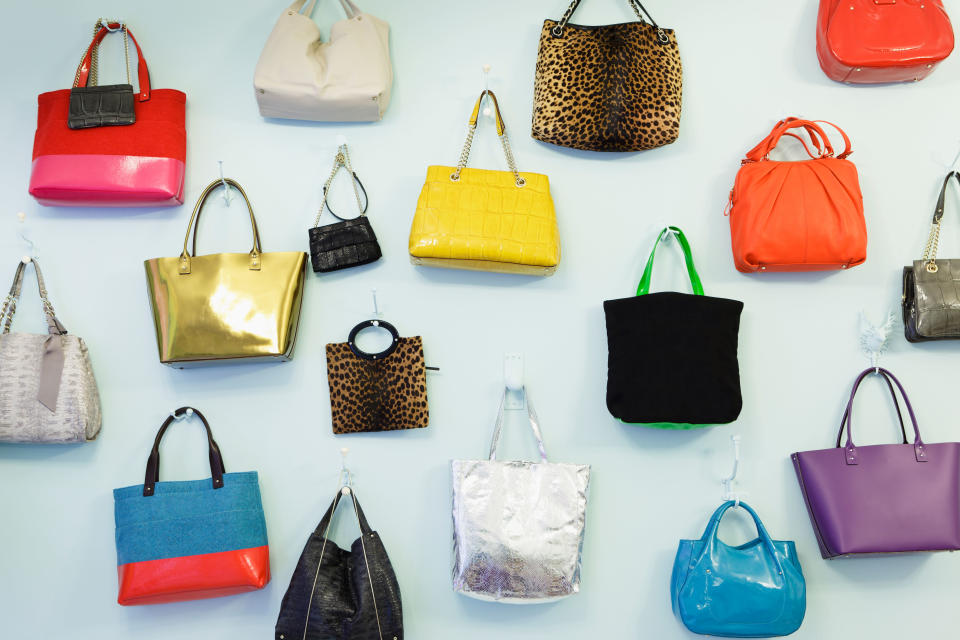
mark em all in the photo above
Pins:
pixel 851 450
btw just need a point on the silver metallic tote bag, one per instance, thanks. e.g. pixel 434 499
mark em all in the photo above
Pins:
pixel 47 390
pixel 345 79
pixel 518 526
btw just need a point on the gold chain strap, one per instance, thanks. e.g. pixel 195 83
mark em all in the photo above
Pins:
pixel 930 251
pixel 507 152
pixel 341 160
pixel 94 54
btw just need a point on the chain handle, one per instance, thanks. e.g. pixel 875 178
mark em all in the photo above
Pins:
pixel 930 251
pixel 341 160
pixel 557 30
pixel 94 54
pixel 9 309
pixel 504 142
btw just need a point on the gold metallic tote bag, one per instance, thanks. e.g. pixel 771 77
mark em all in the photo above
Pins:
pixel 225 306
pixel 486 220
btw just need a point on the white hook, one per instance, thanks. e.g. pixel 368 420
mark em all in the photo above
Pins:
pixel 22 232
pixel 227 195
pixel 670 233
pixel 186 414
pixel 513 380
pixel 376 307
pixel 487 111
pixel 728 483
pixel 346 478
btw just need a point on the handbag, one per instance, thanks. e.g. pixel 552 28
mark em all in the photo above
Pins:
pixel 797 216
pixel 193 539
pixel 104 146
pixel 873 41
pixel 47 390
pixel 338 594
pixel 616 87
pixel 225 306
pixel 754 590
pixel 518 526
pixel 887 498
pixel 931 302
pixel 345 79
pixel 350 242
pixel 383 391
pixel 672 358
pixel 484 220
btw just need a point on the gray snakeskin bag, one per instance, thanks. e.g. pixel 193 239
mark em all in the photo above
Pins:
pixel 931 287
pixel 518 526
pixel 47 390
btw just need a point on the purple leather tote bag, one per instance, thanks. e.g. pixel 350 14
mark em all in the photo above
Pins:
pixel 888 498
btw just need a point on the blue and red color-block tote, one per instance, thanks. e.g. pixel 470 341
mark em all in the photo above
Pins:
pixel 192 539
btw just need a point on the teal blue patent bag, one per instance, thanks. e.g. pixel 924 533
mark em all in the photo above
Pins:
pixel 755 590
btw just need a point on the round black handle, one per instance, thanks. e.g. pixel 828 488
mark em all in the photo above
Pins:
pixel 383 324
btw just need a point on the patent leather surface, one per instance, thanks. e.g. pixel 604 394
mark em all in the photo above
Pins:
pixel 97 180
pixel 797 216
pixel 226 306
pixel 882 498
pixel 870 41
pixel 748 591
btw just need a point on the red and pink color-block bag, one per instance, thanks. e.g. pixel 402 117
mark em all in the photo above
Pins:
pixel 105 146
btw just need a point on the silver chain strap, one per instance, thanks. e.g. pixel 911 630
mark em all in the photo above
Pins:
pixel 507 151
pixel 557 31
pixel 94 54
pixel 341 160
pixel 930 251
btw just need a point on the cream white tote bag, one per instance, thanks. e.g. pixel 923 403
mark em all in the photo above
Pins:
pixel 345 79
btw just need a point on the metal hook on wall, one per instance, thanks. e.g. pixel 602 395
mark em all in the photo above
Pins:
pixel 32 250
pixel 345 479
pixel 227 194
pixel 728 483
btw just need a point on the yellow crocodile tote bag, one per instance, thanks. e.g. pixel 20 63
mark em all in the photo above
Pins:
pixel 486 220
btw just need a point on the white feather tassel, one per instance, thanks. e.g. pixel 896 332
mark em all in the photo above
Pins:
pixel 874 339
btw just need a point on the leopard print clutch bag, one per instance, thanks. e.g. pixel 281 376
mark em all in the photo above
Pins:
pixel 384 391
pixel 607 88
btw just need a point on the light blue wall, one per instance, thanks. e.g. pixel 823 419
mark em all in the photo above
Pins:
pixel 746 64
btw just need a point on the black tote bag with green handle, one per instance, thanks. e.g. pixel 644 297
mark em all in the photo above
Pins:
pixel 672 360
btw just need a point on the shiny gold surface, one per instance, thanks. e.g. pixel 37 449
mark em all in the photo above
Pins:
pixel 226 306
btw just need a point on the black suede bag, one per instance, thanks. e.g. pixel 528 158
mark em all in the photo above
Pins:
pixel 336 594
pixel 672 358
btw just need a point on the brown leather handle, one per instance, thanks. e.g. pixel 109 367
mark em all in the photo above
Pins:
pixel 153 462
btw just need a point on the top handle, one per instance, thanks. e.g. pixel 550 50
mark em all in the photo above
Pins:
pixel 324 526
pixel 644 287
pixel 850 455
pixel 84 70
pixel 501 131
pixel 9 308
pixel 185 256
pixel 896 404
pixel 819 138
pixel 349 8
pixel 933 240
pixel 153 462
pixel 557 31
pixel 534 426
pixel 709 536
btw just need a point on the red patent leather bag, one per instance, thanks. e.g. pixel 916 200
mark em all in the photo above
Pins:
pixel 131 165
pixel 798 216
pixel 874 41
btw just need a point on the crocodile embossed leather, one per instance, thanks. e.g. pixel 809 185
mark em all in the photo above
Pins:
pixel 615 87
pixel 342 594
pixel 109 105
pixel 931 295
pixel 340 245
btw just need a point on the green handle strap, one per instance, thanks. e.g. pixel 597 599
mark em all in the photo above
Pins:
pixel 644 287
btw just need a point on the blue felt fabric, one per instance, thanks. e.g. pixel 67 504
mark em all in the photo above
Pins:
pixel 189 518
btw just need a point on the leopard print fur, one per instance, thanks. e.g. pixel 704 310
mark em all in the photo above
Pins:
pixel 377 395
pixel 607 88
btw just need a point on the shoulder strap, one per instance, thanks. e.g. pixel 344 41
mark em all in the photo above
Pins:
pixel 644 287
pixel 143 74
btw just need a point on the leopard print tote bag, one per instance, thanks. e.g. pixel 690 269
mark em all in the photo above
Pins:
pixel 383 391
pixel 607 88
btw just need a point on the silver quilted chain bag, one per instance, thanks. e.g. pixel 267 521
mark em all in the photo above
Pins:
pixel 518 526
pixel 47 390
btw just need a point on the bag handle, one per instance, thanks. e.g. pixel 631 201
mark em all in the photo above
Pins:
pixel 9 309
pixel 709 537
pixel 153 462
pixel 850 456
pixel 186 257
pixel 87 65
pixel 644 287
pixel 819 138
pixel 324 529
pixel 342 159
pixel 501 131
pixel 557 31
pixel 349 8
pixel 534 426
pixel 896 403
pixel 933 240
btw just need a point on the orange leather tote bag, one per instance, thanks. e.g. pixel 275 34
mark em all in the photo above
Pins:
pixel 797 216
pixel 874 41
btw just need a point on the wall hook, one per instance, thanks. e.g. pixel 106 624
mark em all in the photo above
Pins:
pixel 728 483
pixel 513 381
pixel 227 194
